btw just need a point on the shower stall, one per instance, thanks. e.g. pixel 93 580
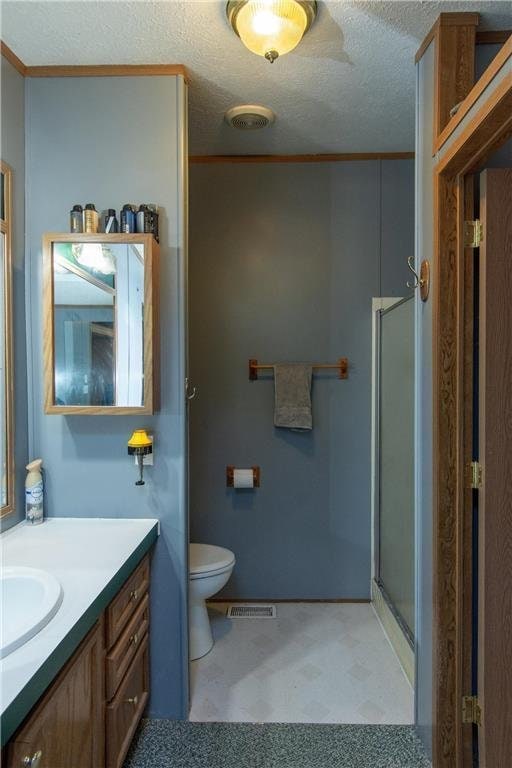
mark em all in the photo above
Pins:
pixel 393 582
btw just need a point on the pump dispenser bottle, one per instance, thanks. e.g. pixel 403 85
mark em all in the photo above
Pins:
pixel 34 494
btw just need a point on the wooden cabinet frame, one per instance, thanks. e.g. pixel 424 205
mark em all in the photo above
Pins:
pixel 151 325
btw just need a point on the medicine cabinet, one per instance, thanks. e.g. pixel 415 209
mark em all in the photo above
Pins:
pixel 100 323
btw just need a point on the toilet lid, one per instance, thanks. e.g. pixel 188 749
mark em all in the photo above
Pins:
pixel 206 557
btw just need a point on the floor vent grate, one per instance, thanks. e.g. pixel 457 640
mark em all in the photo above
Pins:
pixel 251 612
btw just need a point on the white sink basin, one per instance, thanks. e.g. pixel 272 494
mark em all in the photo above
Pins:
pixel 30 598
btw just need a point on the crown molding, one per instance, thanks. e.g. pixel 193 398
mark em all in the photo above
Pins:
pixel 11 57
pixel 93 70
pixel 326 158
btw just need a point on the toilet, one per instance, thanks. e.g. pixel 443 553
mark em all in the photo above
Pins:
pixel 209 570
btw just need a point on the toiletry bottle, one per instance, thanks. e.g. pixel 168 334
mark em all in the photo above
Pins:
pixel 34 494
pixel 153 210
pixel 90 218
pixel 127 219
pixel 143 219
pixel 111 223
pixel 76 219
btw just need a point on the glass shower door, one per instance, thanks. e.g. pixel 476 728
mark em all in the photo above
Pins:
pixel 395 562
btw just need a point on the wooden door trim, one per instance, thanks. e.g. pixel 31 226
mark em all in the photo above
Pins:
pixel 481 133
pixel 454 69
pixel 492 36
pixel 488 76
pixel 445 19
pixel 487 129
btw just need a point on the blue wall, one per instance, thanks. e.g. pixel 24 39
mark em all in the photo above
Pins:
pixel 111 141
pixel 13 153
pixel 284 262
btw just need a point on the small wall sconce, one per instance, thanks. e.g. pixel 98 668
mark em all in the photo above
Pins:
pixel 140 444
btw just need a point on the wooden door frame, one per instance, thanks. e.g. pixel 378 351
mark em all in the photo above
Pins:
pixel 490 127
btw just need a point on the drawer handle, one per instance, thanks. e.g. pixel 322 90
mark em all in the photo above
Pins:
pixel 134 594
pixel 34 761
pixel 134 639
pixel 133 700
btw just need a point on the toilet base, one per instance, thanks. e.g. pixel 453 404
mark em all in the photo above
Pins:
pixel 201 638
pixel 201 587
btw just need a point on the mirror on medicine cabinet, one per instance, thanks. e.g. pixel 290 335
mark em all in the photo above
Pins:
pixel 6 346
pixel 100 324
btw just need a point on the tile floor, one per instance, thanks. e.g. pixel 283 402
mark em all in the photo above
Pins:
pixel 315 663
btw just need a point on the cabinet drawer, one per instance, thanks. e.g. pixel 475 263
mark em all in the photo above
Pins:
pixel 119 658
pixel 126 601
pixel 125 710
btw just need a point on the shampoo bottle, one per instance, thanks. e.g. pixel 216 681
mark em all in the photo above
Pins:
pixel 34 493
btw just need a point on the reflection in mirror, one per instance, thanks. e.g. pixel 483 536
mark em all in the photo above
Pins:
pixel 98 292
pixel 6 371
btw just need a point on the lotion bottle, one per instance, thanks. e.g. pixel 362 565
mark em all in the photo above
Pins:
pixel 34 493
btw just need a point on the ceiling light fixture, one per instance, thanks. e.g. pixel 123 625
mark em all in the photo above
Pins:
pixel 271 28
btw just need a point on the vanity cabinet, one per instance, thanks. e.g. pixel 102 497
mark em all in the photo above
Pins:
pixel 66 726
pixel 89 714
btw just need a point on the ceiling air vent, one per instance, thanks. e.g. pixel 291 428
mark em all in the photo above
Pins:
pixel 249 117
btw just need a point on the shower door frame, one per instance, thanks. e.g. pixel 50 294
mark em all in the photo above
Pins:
pixel 386 613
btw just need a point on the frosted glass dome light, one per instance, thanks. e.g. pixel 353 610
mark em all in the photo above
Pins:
pixel 271 28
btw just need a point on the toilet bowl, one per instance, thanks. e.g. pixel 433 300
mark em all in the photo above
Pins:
pixel 209 570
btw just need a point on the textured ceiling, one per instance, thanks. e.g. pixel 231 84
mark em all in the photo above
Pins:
pixel 348 87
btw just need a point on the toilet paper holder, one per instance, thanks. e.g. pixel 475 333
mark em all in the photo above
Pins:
pixel 230 476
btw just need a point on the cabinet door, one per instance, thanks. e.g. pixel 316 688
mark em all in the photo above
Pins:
pixel 65 730
pixel 125 710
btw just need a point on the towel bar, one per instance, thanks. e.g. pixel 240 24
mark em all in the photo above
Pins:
pixel 341 366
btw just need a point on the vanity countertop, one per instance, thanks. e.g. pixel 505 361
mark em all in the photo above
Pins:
pixel 91 558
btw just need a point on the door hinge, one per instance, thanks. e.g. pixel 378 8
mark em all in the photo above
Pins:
pixel 475 475
pixel 471 710
pixel 473 233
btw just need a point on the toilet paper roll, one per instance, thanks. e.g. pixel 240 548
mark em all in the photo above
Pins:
pixel 243 478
